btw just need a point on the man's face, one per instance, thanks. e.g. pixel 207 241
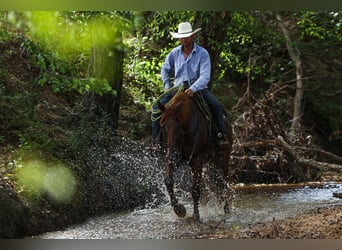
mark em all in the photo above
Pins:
pixel 187 41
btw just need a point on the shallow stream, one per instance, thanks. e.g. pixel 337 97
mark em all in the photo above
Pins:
pixel 249 205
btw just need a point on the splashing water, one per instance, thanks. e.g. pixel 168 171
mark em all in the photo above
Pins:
pixel 131 177
pixel 254 205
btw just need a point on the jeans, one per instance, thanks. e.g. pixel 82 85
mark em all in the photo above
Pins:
pixel 213 103
pixel 216 109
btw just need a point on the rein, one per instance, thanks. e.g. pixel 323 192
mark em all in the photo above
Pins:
pixel 199 106
pixel 175 90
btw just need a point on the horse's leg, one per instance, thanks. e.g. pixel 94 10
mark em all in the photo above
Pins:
pixel 223 166
pixel 196 187
pixel 169 182
pixel 225 155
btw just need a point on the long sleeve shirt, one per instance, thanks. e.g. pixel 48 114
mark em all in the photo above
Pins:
pixel 194 69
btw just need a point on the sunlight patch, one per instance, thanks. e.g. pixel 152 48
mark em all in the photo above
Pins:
pixel 75 36
pixel 35 178
pixel 60 184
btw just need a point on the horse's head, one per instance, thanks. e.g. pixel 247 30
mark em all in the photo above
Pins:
pixel 173 121
pixel 171 126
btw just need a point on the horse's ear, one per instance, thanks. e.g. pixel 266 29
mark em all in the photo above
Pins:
pixel 161 106
pixel 178 106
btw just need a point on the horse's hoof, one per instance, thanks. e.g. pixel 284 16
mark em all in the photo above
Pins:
pixel 226 209
pixel 180 210
pixel 196 218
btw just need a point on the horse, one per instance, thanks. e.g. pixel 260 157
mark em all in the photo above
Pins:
pixel 185 134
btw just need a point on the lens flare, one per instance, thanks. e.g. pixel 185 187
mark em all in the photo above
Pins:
pixel 60 184
pixel 30 178
pixel 35 178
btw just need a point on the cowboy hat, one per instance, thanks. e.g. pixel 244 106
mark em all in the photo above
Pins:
pixel 184 30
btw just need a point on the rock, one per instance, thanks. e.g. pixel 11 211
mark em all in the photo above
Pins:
pixel 337 195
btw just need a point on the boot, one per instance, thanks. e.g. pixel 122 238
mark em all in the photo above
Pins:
pixel 156 145
pixel 222 140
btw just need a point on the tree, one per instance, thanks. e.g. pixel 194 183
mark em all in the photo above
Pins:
pixel 215 26
pixel 294 54
pixel 106 64
pixel 96 36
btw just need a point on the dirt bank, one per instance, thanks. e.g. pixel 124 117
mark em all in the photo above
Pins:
pixel 321 223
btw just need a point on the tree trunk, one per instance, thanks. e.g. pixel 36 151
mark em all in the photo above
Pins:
pixel 297 111
pixel 107 64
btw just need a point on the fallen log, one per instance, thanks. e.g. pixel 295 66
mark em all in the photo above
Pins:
pixel 323 166
pixel 318 150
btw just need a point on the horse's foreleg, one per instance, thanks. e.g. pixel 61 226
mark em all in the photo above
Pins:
pixel 169 183
pixel 223 166
pixel 196 189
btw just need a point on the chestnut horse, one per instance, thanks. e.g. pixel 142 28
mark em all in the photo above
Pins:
pixel 185 134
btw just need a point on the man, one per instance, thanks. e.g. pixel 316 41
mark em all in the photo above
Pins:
pixel 189 64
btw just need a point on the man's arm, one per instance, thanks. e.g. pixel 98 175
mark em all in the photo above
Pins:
pixel 204 75
pixel 166 71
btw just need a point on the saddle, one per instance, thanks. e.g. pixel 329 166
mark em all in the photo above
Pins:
pixel 203 107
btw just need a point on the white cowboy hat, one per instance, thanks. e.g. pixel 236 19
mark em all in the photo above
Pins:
pixel 184 30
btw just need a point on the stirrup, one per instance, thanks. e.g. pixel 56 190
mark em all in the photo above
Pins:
pixel 221 136
pixel 222 140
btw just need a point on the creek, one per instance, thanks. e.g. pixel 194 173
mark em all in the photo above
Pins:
pixel 250 204
pixel 125 172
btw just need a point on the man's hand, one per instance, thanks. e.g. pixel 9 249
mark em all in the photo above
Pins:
pixel 189 92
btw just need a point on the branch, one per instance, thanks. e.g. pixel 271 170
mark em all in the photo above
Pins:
pixel 287 147
pixel 333 156
pixel 303 78
pixel 323 166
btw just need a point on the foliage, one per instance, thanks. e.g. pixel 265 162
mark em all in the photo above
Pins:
pixel 246 47
pixel 321 25
pixel 250 51
pixel 244 39
pixel 320 42
pixel 61 43
pixel 87 127
pixel 53 70
pixel 142 73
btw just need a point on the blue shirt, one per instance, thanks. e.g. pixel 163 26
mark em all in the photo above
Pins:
pixel 195 69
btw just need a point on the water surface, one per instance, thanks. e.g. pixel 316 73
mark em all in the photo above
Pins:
pixel 249 205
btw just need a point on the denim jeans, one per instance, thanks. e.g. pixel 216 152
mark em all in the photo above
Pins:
pixel 216 109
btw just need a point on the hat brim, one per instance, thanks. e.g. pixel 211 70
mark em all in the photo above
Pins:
pixel 184 35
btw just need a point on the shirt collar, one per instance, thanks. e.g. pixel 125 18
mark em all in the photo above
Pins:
pixel 193 50
pixel 195 47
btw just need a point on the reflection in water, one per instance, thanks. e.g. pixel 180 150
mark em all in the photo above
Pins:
pixel 249 205
pixel 268 204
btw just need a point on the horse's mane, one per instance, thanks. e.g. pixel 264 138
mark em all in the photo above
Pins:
pixel 180 105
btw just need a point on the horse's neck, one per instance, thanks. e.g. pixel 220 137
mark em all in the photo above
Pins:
pixel 187 110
